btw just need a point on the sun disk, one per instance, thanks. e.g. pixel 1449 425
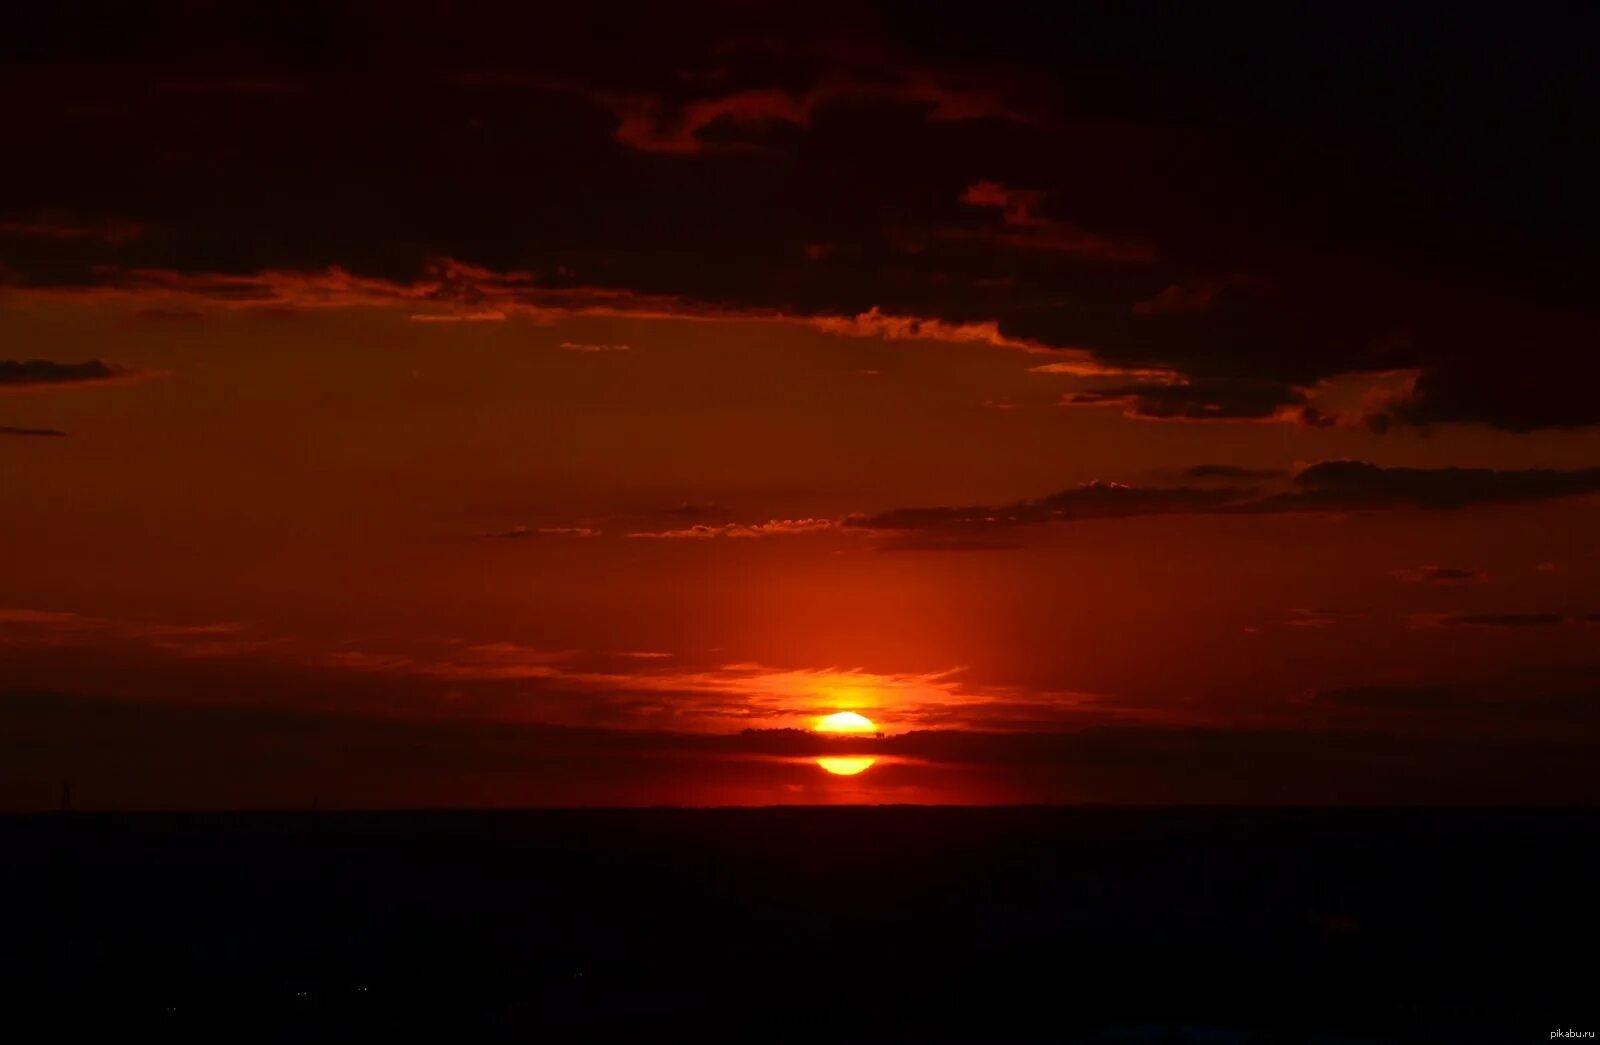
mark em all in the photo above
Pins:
pixel 846 722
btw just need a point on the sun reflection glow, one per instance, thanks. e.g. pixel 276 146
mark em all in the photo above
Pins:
pixel 846 765
pixel 846 722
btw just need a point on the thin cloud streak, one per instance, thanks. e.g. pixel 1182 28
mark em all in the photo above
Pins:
pixel 31 432
pixel 1326 487
pixel 41 373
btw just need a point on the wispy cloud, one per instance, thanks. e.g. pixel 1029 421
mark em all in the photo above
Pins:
pixel 1328 486
pixel 733 121
pixel 45 227
pixel 458 292
pixel 26 432
pixel 1024 226
pixel 1490 620
pixel 741 531
pixel 485 316
pixel 22 627
pixel 524 532
pixel 1092 500
pixel 1230 471
pixel 1440 575
pixel 23 373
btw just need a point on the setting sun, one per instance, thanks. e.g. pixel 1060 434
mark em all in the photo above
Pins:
pixel 846 766
pixel 846 722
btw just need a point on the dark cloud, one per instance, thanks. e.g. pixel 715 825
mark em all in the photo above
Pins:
pixel 42 432
pixel 1440 575
pixel 22 372
pixel 1315 765
pixel 1390 698
pixel 1462 379
pixel 1229 471
pixel 1095 500
pixel 1496 706
pixel 1355 485
pixel 1207 400
pixel 1253 205
pixel 755 118
pixel 1176 298
pixel 1502 620
pixel 47 227
pixel 1329 486
pixel 1024 226
pixel 1312 617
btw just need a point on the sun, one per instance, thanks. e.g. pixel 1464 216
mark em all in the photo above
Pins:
pixel 846 722
pixel 846 765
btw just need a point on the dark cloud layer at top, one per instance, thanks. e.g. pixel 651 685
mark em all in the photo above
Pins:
pixel 1257 206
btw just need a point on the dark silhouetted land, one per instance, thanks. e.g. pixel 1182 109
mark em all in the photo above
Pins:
pixel 856 924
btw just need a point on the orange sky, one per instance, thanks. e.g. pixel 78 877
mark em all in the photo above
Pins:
pixel 350 512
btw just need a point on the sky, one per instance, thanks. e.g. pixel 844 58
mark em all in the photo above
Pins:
pixel 497 407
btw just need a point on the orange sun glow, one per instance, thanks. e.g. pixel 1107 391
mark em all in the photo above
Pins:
pixel 846 722
pixel 846 765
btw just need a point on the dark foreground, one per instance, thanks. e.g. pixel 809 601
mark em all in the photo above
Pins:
pixel 876 925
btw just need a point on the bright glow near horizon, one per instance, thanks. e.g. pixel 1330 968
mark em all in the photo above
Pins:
pixel 846 765
pixel 846 722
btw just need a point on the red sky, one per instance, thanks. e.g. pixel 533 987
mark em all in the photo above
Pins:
pixel 394 415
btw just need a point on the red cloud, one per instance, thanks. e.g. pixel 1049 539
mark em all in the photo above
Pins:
pixel 1026 229
pixel 589 347
pixel 1205 400
pixel 651 124
pixel 770 528
pixel 874 323
pixel 1018 205
pixel 1176 298
pixel 113 232
pixel 457 292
